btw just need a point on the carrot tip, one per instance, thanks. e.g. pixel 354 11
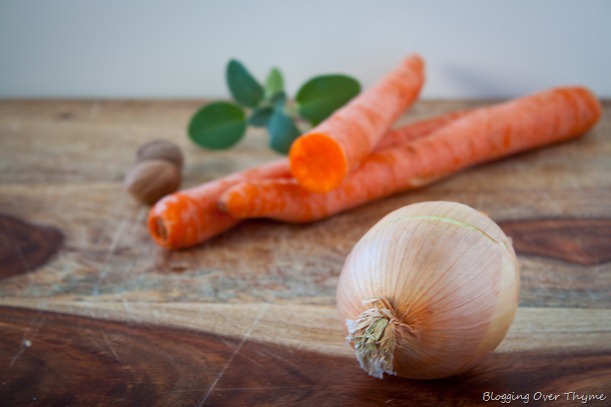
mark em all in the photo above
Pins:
pixel 318 162
pixel 158 230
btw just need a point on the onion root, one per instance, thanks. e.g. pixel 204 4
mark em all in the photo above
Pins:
pixel 373 337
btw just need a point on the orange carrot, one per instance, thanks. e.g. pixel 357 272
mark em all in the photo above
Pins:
pixel 189 217
pixel 482 135
pixel 417 129
pixel 323 157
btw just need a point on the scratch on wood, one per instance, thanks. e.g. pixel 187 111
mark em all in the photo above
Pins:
pixel 126 306
pixel 111 249
pixel 17 355
pixel 28 337
pixel 112 349
pixel 285 360
pixel 233 355
pixel 253 361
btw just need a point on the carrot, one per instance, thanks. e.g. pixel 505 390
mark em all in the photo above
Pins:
pixel 189 217
pixel 417 129
pixel 482 135
pixel 323 157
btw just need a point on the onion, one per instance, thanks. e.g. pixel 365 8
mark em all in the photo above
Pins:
pixel 428 291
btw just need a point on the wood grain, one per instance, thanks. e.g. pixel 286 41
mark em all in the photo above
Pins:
pixel 25 247
pixel 102 362
pixel 581 241
pixel 249 318
pixel 318 328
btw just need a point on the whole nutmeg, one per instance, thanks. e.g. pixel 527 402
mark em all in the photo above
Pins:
pixel 150 180
pixel 160 150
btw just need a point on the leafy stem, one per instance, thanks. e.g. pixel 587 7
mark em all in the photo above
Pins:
pixel 222 124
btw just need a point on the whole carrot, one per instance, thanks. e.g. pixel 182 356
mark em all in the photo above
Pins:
pixel 189 217
pixel 323 157
pixel 418 129
pixel 482 135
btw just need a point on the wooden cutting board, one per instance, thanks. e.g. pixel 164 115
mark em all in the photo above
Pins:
pixel 92 312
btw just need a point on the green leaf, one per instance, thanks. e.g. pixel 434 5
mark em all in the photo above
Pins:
pixel 217 126
pixel 274 83
pixel 319 97
pixel 278 100
pixel 243 86
pixel 260 116
pixel 282 130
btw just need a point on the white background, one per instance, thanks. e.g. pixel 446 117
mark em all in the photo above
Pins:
pixel 179 49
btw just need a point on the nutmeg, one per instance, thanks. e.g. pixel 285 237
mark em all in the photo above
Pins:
pixel 162 150
pixel 150 180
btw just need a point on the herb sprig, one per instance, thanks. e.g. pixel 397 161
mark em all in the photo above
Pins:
pixel 222 124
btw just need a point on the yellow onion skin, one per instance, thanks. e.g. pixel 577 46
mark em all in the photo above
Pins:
pixel 450 278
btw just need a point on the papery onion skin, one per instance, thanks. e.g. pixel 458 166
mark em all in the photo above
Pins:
pixel 449 278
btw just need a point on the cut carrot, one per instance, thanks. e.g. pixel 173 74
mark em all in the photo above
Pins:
pixel 482 135
pixel 322 158
pixel 189 217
